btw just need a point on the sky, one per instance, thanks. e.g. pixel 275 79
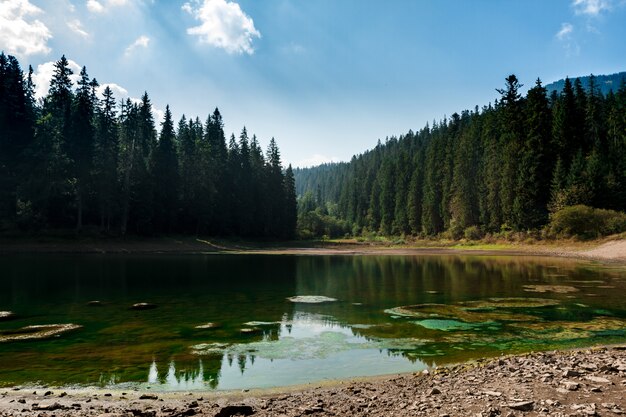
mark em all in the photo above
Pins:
pixel 326 78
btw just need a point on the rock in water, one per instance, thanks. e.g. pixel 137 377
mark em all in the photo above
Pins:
pixel 6 315
pixel 37 332
pixel 210 325
pixel 311 299
pixel 143 306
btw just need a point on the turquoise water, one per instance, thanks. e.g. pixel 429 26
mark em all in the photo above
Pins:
pixel 231 322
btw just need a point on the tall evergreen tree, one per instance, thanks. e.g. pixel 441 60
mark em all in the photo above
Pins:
pixel 165 173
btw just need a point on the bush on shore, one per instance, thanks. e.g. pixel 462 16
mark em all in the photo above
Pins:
pixel 585 222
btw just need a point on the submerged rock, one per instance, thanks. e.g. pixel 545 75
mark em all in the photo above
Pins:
pixel 209 325
pixel 250 330
pixel 6 315
pixel 261 323
pixel 311 299
pixel 37 332
pixel 209 348
pixel 558 289
pixel 143 306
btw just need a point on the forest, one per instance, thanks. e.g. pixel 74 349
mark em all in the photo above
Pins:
pixel 77 160
pixel 511 166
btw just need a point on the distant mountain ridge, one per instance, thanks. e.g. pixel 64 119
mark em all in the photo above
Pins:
pixel 606 83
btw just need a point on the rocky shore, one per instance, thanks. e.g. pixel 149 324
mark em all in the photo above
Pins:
pixel 586 382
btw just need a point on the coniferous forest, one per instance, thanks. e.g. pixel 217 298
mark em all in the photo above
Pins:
pixel 503 168
pixel 78 160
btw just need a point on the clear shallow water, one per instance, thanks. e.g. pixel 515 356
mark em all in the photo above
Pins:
pixel 391 314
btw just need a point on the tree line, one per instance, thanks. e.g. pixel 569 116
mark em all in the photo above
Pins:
pixel 77 159
pixel 505 167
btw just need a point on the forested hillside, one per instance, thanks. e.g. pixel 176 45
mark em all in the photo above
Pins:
pixel 503 167
pixel 604 83
pixel 77 160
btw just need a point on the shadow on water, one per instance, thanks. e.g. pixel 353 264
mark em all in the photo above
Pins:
pixel 225 321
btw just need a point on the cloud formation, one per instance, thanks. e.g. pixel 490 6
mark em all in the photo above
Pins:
pixel 77 28
pixel 101 6
pixel 118 91
pixel 19 33
pixel 591 7
pixel 565 32
pixel 223 25
pixel 140 42
pixel 94 6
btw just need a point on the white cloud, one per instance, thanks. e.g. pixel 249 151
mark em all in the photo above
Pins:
pixel 94 6
pixel 101 6
pixel 565 32
pixel 44 73
pixel 564 35
pixel 315 160
pixel 77 28
pixel 119 92
pixel 19 33
pixel 140 42
pixel 591 7
pixel 223 25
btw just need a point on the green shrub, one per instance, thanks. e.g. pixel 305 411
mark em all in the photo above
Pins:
pixel 473 233
pixel 586 222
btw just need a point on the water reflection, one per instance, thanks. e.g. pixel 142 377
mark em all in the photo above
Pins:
pixel 362 333
pixel 301 347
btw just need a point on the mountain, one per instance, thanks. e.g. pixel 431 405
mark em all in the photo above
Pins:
pixel 605 82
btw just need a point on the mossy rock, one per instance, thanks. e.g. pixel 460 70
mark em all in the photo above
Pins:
pixel 37 332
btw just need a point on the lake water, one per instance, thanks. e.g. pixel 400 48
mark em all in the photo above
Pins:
pixel 382 314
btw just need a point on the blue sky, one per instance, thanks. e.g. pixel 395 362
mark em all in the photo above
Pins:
pixel 326 78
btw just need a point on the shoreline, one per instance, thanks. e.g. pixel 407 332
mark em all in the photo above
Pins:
pixel 577 382
pixel 605 250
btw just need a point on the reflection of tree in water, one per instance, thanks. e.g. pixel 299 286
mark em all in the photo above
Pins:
pixel 193 376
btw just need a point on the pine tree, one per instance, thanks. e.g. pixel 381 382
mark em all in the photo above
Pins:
pixel 80 143
pixel 106 159
pixel 165 173
pixel 534 168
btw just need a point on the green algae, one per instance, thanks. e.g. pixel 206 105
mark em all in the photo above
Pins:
pixel 450 325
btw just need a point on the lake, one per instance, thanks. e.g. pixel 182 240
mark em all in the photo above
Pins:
pixel 224 321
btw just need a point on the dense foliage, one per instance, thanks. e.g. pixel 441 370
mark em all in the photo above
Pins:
pixel 75 159
pixel 503 167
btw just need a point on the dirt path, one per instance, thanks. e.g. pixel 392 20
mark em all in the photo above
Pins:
pixel 590 382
